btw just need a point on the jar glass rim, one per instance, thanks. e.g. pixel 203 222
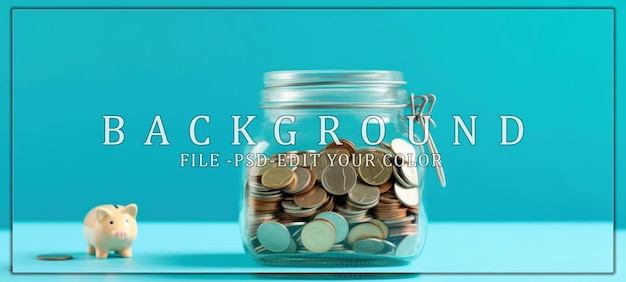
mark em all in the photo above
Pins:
pixel 333 88
pixel 291 78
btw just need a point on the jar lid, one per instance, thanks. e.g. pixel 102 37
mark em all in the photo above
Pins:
pixel 328 77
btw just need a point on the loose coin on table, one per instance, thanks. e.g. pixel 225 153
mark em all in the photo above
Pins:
pixel 339 222
pixel 54 257
pixel 274 236
pixel 318 236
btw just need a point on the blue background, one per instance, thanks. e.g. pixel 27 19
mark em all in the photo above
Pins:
pixel 620 18
pixel 553 68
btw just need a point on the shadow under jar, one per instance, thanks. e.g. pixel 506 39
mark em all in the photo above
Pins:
pixel 334 178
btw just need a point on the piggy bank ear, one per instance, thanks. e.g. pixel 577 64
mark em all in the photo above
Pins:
pixel 102 213
pixel 131 209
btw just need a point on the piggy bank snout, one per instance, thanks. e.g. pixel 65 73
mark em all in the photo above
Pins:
pixel 121 234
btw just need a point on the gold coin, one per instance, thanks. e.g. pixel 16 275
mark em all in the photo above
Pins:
pixel 373 170
pixel 277 178
pixel 339 180
pixel 318 236
pixel 364 231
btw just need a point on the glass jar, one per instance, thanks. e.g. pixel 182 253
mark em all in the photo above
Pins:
pixel 333 177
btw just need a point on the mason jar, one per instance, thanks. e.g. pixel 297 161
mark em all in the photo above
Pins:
pixel 336 172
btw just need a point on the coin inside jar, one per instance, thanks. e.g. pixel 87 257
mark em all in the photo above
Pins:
pixel 260 168
pixel 363 194
pixel 363 231
pixel 383 227
pixel 369 246
pixel 353 205
pixel 339 180
pixel 339 222
pixel 372 168
pixel 318 236
pixel 407 246
pixel 345 144
pixel 274 236
pixel 312 199
pixel 277 178
pixel 408 196
pixel 408 172
pixel 304 179
pixel 386 186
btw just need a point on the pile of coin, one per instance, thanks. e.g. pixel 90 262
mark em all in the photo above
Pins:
pixel 337 200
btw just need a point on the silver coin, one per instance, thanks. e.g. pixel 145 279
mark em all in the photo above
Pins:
pixel 338 221
pixel 293 247
pixel 290 205
pixel 404 219
pixel 318 236
pixel 274 236
pixel 347 211
pixel 339 180
pixel 360 220
pixel 409 174
pixel 300 211
pixel 369 246
pixel 364 231
pixel 383 227
pixel 407 152
pixel 389 247
pixel 296 233
pixel 363 194
pixel 294 227
pixel 407 196
pixel 401 234
pixel 399 177
pixel 361 207
pixel 303 179
pixel 408 246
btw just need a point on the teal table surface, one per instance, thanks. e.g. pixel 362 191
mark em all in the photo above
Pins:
pixel 199 249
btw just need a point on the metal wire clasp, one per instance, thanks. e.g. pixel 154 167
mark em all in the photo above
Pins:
pixel 422 105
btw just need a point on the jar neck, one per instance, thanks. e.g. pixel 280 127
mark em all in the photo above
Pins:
pixel 389 115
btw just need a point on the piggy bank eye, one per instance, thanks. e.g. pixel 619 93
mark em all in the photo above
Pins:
pixel 111 222
pixel 127 221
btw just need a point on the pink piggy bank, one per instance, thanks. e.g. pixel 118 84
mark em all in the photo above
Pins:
pixel 111 228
